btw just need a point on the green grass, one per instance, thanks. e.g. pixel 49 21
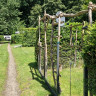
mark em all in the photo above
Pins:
pixel 76 81
pixel 3 66
pixel 31 84
pixel 25 60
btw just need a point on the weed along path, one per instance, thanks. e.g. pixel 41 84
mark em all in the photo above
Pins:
pixel 12 88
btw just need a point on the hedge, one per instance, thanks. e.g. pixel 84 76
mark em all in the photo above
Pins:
pixel 26 38
pixel 89 56
pixel 16 38
pixel 2 38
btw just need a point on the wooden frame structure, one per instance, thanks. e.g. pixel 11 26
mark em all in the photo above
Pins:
pixel 91 7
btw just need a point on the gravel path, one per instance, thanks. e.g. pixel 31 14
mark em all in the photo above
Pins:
pixel 12 87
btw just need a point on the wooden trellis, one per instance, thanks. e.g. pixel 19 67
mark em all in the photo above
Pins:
pixel 91 7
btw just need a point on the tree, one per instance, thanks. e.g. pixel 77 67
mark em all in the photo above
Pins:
pixel 35 12
pixel 3 11
pixel 9 17
pixel 26 7
pixel 53 6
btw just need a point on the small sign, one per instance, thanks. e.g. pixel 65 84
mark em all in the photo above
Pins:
pixel 62 19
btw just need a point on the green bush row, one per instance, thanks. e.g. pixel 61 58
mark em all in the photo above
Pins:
pixel 26 38
pixel 29 39
pixel 67 52
pixel 16 38
pixel 89 56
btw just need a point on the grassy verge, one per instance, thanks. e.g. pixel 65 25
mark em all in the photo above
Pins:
pixel 31 83
pixel 3 66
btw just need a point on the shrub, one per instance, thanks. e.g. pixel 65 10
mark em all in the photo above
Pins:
pixel 16 38
pixel 89 56
pixel 66 51
pixel 2 38
pixel 29 38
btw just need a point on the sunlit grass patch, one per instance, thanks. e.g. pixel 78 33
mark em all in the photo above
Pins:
pixel 3 66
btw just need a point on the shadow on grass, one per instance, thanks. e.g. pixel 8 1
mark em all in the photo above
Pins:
pixel 36 76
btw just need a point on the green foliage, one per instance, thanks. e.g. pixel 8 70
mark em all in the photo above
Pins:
pixel 26 38
pixel 53 6
pixel 11 14
pixel 67 52
pixel 16 38
pixel 29 38
pixel 2 38
pixel 89 56
pixel 35 12
pixel 31 9
pixel 9 17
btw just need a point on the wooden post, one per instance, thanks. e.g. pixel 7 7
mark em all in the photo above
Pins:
pixel 85 70
pixel 70 78
pixel 82 34
pixel 39 28
pixel 75 48
pixel 90 13
pixel 85 81
pixel 58 42
pixel 39 47
pixel 71 35
pixel 51 43
pixel 45 57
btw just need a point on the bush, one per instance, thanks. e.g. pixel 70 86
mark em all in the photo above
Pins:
pixel 66 51
pixel 2 38
pixel 16 38
pixel 89 56
pixel 29 39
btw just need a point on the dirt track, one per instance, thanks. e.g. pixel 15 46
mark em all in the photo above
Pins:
pixel 12 87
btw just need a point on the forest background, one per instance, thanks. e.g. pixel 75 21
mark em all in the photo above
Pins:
pixel 16 14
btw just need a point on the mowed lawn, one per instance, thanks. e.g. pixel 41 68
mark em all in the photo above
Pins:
pixel 76 81
pixel 31 83
pixel 3 66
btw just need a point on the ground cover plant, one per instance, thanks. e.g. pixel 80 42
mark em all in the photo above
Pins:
pixel 3 66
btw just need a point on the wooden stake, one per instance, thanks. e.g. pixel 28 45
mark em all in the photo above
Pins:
pixel 90 15
pixel 85 71
pixel 58 42
pixel 85 81
pixel 39 47
pixel 39 28
pixel 75 49
pixel 70 35
pixel 70 78
pixel 82 34
pixel 45 57
pixel 52 63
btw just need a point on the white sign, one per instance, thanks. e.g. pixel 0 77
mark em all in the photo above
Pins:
pixel 62 19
